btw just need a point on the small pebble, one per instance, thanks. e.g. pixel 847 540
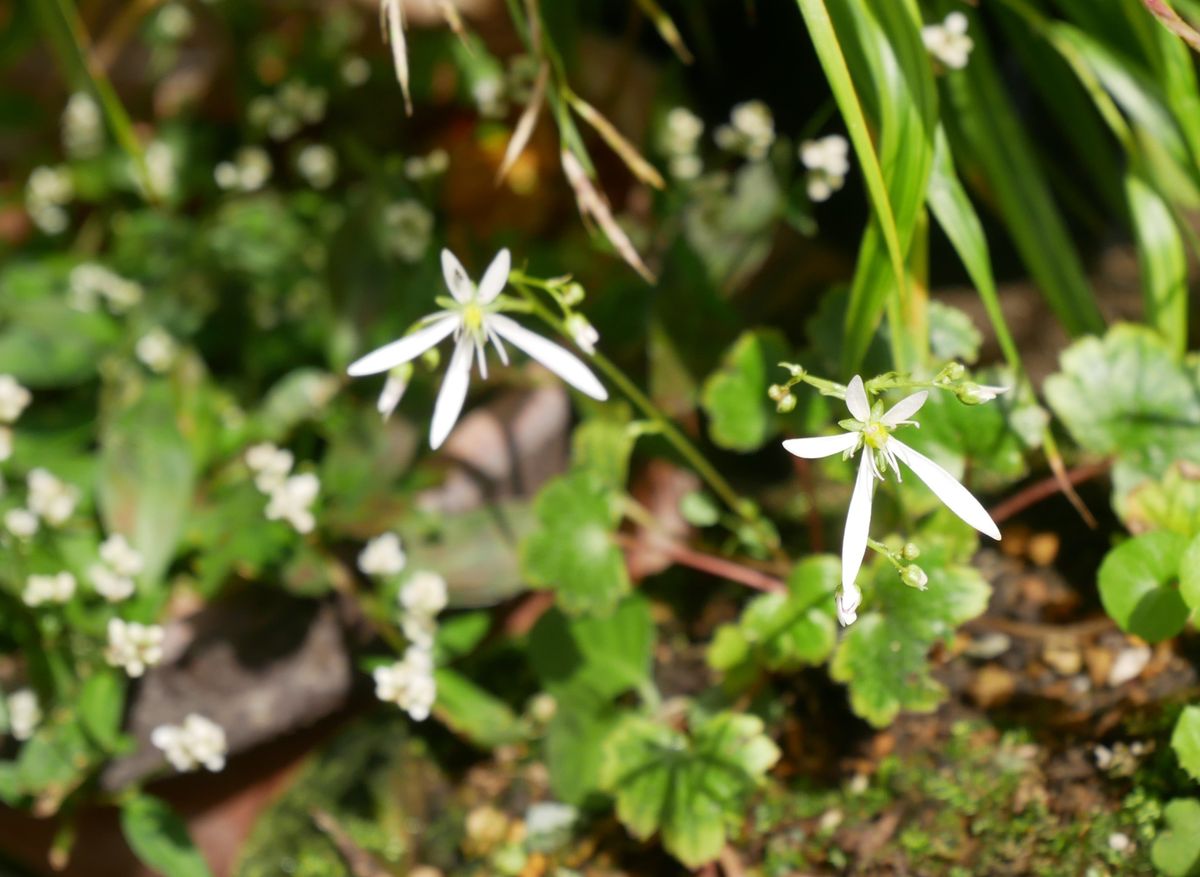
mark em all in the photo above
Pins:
pixel 1128 665
pixel 858 784
pixel 988 646
pixel 1119 842
pixel 830 820
pixel 1063 657
pixel 1043 548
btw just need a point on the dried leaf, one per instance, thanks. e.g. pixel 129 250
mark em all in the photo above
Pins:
pixel 666 29
pixel 526 124
pixel 641 168
pixel 593 204
pixel 391 20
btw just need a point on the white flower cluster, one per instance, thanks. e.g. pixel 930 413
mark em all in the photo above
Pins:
pixel 489 94
pixel 293 105
pixel 408 229
pixel 49 498
pixel 680 141
pixel 248 172
pixel 82 126
pixel 318 164
pixel 22 523
pixel 422 167
pixel 24 713
pixel 289 497
pixel 383 556
pixel 119 564
pixel 750 132
pixel 408 683
pixel 133 647
pixel 423 596
pixel 156 349
pixel 160 170
pixel 47 193
pixel 14 399
pixel 42 589
pixel 949 41
pixel 90 283
pixel 198 741
pixel 828 162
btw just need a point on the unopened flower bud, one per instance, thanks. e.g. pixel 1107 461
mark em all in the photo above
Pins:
pixel 572 294
pixel 913 576
pixel 953 371
pixel 786 404
pixel 910 551
pixel 977 394
pixel 777 392
pixel 797 371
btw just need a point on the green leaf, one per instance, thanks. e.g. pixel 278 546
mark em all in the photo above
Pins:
pixel 160 839
pixel 689 788
pixel 1186 740
pixel 1189 575
pixel 603 447
pixel 146 477
pixel 473 713
pixel 594 658
pixel 952 335
pixel 459 634
pixel 574 749
pixel 741 416
pixel 1139 586
pixel 1176 850
pixel 1162 260
pixel 53 763
pixel 101 707
pixel 1171 502
pixel 573 550
pixel 300 395
pixel 1125 395
pixel 884 655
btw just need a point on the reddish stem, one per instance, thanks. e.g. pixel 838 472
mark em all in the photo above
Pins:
pixel 1047 487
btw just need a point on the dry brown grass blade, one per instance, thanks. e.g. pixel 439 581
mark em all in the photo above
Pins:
pixel 454 20
pixel 593 204
pixel 526 124
pixel 666 29
pixel 641 168
pixel 391 20
pixel 1176 25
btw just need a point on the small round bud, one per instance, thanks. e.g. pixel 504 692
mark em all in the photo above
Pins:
pixel 787 404
pixel 953 371
pixel 572 294
pixel 777 392
pixel 797 371
pixel 910 551
pixel 913 576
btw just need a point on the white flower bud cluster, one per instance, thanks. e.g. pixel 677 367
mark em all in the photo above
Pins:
pixel 293 105
pixel 14 399
pixel 680 142
pixel 318 164
pixel 408 229
pixel 828 162
pixel 197 742
pixel 42 589
pixel 289 497
pixel 750 132
pixel 49 498
pixel 383 556
pixel 82 126
pixel 156 350
pixel 133 647
pixel 24 713
pixel 248 172
pixel 422 167
pixel 408 683
pixel 949 41
pixel 119 564
pixel 48 191
pixel 89 284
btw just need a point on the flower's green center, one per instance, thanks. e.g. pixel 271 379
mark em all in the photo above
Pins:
pixel 875 434
pixel 472 317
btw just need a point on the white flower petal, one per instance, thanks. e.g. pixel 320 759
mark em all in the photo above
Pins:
pixel 563 363
pixel 821 446
pixel 904 409
pixel 847 601
pixel 405 350
pixel 457 280
pixel 452 394
pixel 496 277
pixel 944 485
pixel 858 525
pixel 856 399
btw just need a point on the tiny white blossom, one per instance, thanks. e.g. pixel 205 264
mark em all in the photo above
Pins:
pixel 750 132
pixel 22 523
pixel 382 556
pixel 14 399
pixel 681 132
pixel 408 228
pixel 248 172
pixel 318 164
pixel 82 126
pixel 424 594
pixel 583 333
pixel 408 683
pixel 418 629
pixel 271 465
pixel 199 741
pixel 828 162
pixel 6 443
pixel 120 556
pixel 89 283
pixel 42 589
pixel 109 584
pixel 489 96
pixel 870 431
pixel 47 192
pixel 24 713
pixel 49 498
pixel 949 41
pixel 156 349
pixel 473 316
pixel 133 646
pixel 292 500
pixel 685 167
pixel 421 167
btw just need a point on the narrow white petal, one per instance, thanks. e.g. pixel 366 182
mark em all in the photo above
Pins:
pixel 405 350
pixel 563 363
pixel 905 408
pixel 858 525
pixel 856 399
pixel 847 601
pixel 496 277
pixel 452 394
pixel 821 446
pixel 944 485
pixel 457 279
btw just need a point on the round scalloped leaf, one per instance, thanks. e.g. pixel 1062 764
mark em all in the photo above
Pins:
pixel 1186 740
pixel 1139 586
pixel 1176 850
pixel 741 417
pixel 1168 503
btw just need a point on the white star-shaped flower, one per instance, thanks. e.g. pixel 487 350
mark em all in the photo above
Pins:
pixel 871 431
pixel 473 316
pixel 949 41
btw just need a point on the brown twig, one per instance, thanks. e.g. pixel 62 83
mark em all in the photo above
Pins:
pixel 1171 20
pixel 1085 629
pixel 1047 487
pixel 717 566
